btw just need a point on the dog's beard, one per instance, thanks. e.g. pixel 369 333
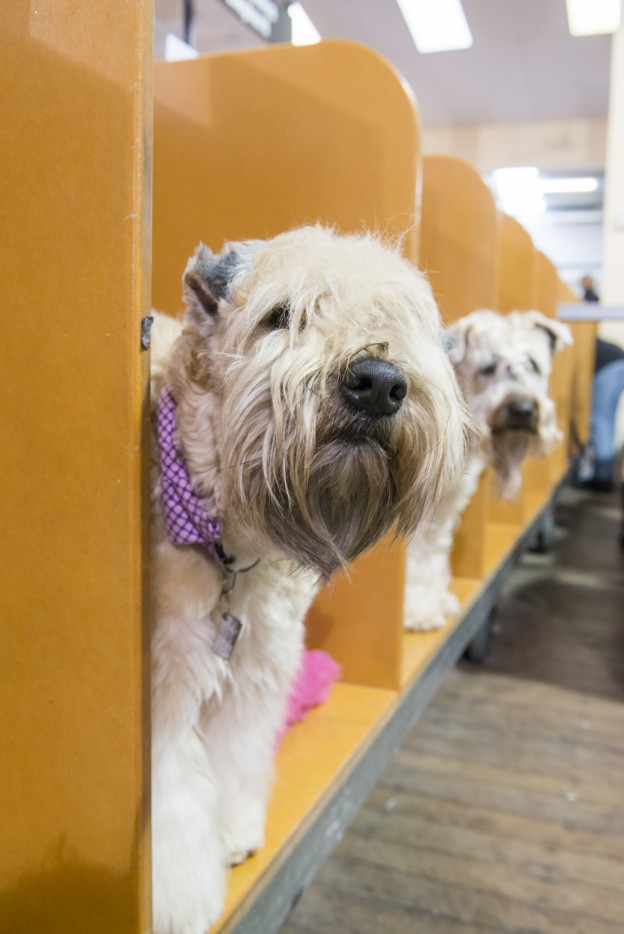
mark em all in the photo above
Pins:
pixel 507 451
pixel 347 505
pixel 324 486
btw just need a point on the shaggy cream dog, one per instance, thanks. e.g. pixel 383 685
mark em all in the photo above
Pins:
pixel 503 363
pixel 306 409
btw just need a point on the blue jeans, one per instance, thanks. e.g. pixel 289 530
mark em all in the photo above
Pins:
pixel 608 386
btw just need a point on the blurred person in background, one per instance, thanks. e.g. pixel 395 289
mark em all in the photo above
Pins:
pixel 607 388
pixel 589 289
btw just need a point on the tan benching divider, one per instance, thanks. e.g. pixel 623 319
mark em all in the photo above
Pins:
pixel 459 236
pixel 75 280
pixel 250 144
pixel 518 290
pixel 560 385
pixel 539 474
pixel 584 352
pixel 517 285
pixel 459 251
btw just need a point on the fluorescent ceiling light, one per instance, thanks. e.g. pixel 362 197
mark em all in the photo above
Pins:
pixel 519 190
pixel 438 26
pixel 304 32
pixel 593 17
pixel 177 50
pixel 562 186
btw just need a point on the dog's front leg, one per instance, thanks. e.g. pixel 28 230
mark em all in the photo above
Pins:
pixel 188 864
pixel 188 868
pixel 242 739
pixel 428 600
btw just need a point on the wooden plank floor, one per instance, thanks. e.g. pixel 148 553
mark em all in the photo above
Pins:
pixel 504 811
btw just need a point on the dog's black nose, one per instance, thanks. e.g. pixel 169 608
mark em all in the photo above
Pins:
pixel 374 386
pixel 522 413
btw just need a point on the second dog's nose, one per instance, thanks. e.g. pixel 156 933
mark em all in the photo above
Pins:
pixel 374 386
pixel 522 413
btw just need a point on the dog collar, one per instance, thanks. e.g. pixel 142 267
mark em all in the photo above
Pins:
pixel 188 523
pixel 186 518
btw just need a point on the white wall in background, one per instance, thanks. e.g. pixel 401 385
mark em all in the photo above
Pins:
pixel 574 247
pixel 574 243
pixel 553 145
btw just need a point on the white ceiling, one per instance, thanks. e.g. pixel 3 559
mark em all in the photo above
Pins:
pixel 523 65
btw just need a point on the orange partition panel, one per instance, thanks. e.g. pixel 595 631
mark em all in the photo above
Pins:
pixel 249 144
pixel 358 618
pixel 517 282
pixel 459 251
pixel 252 143
pixel 561 378
pixel 584 352
pixel 517 290
pixel 547 284
pixel 506 510
pixel 585 334
pixel 459 236
pixel 469 543
pixel 74 268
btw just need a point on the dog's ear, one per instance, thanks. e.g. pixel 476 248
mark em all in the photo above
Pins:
pixel 558 333
pixel 207 279
pixel 456 339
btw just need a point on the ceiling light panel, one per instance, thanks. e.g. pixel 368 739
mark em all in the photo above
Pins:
pixel 593 17
pixel 439 26
pixel 565 186
pixel 519 191
pixel 304 32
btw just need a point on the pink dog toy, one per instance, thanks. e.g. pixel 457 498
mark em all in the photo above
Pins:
pixel 316 675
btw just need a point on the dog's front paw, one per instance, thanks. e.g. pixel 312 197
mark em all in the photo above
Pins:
pixel 188 868
pixel 429 609
pixel 187 901
pixel 243 834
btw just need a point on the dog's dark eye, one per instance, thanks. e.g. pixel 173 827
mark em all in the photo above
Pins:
pixel 488 370
pixel 534 366
pixel 278 318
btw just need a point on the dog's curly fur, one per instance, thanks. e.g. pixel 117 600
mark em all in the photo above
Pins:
pixel 298 478
pixel 501 361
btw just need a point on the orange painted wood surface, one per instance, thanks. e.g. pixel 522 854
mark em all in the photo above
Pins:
pixel 249 144
pixel 358 618
pixel 467 557
pixel 517 284
pixel 527 281
pixel 459 251
pixel 459 236
pixel 584 352
pixel 560 385
pixel 76 120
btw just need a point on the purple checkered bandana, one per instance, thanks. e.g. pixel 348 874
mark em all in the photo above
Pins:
pixel 186 519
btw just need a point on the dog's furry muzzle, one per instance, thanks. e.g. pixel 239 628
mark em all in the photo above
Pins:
pixel 520 427
pixel 518 413
pixel 333 480
pixel 350 503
